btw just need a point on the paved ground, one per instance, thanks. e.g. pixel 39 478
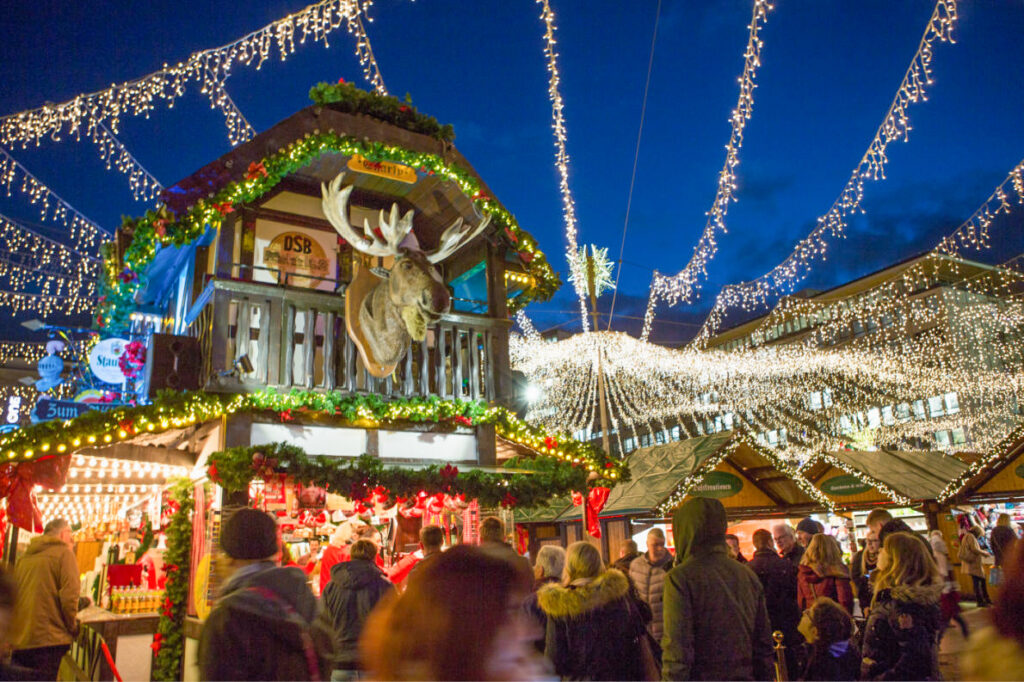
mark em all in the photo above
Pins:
pixel 953 641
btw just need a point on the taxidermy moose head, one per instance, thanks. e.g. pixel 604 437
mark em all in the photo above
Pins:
pixel 382 314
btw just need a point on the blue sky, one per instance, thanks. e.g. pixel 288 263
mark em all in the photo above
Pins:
pixel 830 70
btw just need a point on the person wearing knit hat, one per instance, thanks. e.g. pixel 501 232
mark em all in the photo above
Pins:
pixel 265 624
pixel 807 529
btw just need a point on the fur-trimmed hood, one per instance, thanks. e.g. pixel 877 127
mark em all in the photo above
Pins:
pixel 926 595
pixel 576 600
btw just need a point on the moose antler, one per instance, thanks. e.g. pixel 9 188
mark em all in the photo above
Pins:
pixel 455 237
pixel 393 228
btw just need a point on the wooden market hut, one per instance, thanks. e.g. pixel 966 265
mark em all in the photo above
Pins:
pixel 997 476
pixel 862 479
pixel 751 481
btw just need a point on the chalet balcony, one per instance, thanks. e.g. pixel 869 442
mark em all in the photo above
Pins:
pixel 296 338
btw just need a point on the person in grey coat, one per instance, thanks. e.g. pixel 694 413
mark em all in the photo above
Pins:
pixel 716 621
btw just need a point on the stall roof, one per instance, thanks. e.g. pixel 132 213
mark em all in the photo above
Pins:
pixel 915 475
pixel 546 513
pixel 660 470
pixel 998 475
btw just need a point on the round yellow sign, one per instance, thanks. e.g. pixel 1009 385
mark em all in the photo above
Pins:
pixel 299 258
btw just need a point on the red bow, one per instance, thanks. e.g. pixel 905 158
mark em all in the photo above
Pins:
pixel 596 499
pixel 256 170
pixel 17 484
pixel 224 208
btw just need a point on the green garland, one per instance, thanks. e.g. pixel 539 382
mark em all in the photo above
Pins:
pixel 179 410
pixel 349 99
pixel 358 479
pixel 169 640
pixel 123 276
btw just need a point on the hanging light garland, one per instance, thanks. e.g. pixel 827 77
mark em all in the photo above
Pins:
pixel 680 287
pixel 895 126
pixel 861 476
pixel 114 154
pixel 562 160
pixel 84 233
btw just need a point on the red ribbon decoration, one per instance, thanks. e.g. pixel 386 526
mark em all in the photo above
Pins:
pixel 596 499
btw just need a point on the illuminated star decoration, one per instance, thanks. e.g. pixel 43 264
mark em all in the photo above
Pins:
pixel 603 268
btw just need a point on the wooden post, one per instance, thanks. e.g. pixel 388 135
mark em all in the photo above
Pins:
pixel 602 406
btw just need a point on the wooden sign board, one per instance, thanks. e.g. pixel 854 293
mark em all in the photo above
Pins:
pixel 845 489
pixel 383 169
pixel 734 490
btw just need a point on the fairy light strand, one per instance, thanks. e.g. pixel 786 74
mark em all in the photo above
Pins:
pixel 562 159
pixel 682 285
pixel 143 184
pixel 895 126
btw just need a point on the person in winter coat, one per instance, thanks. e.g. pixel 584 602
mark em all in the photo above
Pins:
pixel 971 555
pixel 548 569
pixel 265 625
pixel 733 543
pixel 785 541
pixel 997 652
pixel 46 609
pixel 1001 537
pixel 354 589
pixel 627 553
pixel 823 574
pixel 901 635
pixel 716 622
pixel 864 562
pixel 594 629
pixel 778 577
pixel 828 627
pixel 648 575
pixel 949 602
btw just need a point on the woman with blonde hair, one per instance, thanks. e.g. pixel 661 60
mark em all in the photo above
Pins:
pixel 822 574
pixel 593 627
pixel 901 635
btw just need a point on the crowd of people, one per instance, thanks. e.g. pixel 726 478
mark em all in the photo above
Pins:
pixel 792 610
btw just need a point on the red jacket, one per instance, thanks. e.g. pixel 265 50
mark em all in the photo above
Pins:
pixel 332 555
pixel 835 584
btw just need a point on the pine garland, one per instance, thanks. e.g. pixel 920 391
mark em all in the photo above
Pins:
pixel 169 640
pixel 365 477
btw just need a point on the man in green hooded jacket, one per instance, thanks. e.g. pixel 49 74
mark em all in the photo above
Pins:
pixel 716 622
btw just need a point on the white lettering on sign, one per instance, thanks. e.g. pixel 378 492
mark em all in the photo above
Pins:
pixel 103 360
pixel 13 409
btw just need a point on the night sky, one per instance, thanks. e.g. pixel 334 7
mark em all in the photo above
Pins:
pixel 830 70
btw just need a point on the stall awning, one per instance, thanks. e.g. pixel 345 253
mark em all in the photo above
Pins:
pixel 895 475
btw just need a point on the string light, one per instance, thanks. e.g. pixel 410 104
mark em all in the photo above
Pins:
pixel 895 126
pixel 114 154
pixel 239 128
pixel 209 68
pixel 680 287
pixel 85 234
pixel 562 159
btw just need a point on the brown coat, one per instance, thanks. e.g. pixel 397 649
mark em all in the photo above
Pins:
pixel 971 555
pixel 48 585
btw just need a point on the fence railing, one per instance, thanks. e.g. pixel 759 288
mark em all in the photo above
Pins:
pixel 296 338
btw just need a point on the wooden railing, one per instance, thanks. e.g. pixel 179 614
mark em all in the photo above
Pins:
pixel 296 338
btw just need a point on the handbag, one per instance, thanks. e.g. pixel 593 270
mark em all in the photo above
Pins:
pixel 650 650
pixel 995 576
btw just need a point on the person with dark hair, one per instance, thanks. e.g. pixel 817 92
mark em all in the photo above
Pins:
pixel 827 628
pixel 492 540
pixel 461 618
pixel 996 652
pixel 733 543
pixel 265 624
pixel 45 613
pixel 778 577
pixel 593 626
pixel 354 589
pixel 647 572
pixel 807 529
pixel 1000 539
pixel 716 621
pixel 901 635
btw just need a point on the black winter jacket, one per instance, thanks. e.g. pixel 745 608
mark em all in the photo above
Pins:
pixel 593 629
pixel 778 577
pixel 252 636
pixel 355 588
pixel 901 636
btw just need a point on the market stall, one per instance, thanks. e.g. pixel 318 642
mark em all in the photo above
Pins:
pixel 750 480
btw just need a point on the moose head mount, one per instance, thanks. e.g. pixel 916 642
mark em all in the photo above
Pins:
pixel 383 313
